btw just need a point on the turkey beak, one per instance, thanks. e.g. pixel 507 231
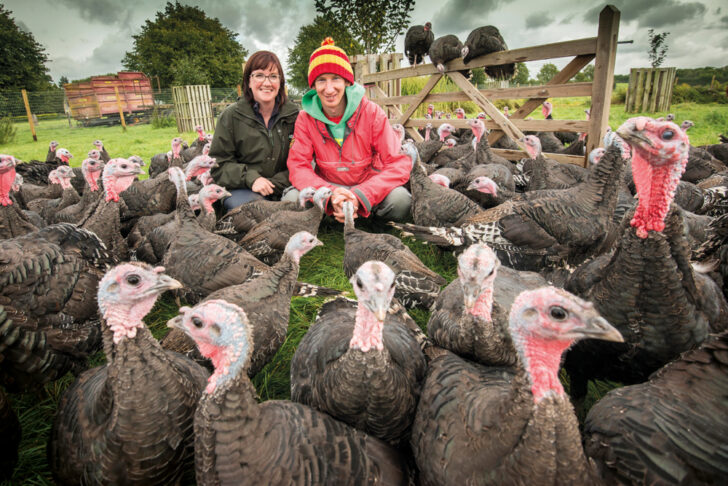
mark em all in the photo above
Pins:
pixel 379 305
pixel 470 294
pixel 165 282
pixel 226 194
pixel 317 242
pixel 137 170
pixel 598 328
pixel 175 323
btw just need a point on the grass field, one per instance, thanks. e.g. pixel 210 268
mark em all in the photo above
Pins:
pixel 321 266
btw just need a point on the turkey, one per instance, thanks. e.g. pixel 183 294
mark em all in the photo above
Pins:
pixel 10 432
pixel 701 165
pixel 235 223
pixel 444 49
pixel 415 284
pixel 670 430
pixel 560 227
pixel 13 222
pixel 429 148
pixel 158 195
pixel 267 239
pixel 31 192
pixel 48 208
pixel 104 220
pixel 151 235
pixel 36 172
pixel 547 109
pixel 417 43
pixel 646 288
pixel 494 425
pixel 466 320
pixel 103 154
pixel 712 256
pixel 92 170
pixel 240 441
pixel 718 150
pixel 51 155
pixel 129 421
pixel 433 204
pixel 161 162
pixel 268 300
pixel 546 173
pixel 196 148
pixel 359 363
pixel 482 41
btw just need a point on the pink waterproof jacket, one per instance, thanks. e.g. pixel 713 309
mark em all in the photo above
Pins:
pixel 369 162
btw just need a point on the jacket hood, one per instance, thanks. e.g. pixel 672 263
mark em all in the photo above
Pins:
pixel 311 104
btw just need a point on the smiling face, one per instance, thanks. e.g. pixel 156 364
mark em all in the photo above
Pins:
pixel 265 83
pixel 331 89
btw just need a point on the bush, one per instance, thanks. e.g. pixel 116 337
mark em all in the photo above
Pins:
pixel 160 120
pixel 684 93
pixel 7 130
pixel 619 94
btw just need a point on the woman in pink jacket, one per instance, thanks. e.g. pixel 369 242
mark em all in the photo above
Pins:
pixel 345 142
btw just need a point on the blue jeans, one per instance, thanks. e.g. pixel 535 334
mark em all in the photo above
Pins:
pixel 239 196
pixel 394 207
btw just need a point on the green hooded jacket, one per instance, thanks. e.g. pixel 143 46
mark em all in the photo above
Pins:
pixel 311 104
pixel 245 149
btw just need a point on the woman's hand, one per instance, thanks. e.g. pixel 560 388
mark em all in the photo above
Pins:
pixel 263 186
pixel 338 197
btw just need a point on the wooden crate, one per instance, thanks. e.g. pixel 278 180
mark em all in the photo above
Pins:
pixel 193 106
pixel 650 89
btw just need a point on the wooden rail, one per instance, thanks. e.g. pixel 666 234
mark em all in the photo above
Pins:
pixel 602 49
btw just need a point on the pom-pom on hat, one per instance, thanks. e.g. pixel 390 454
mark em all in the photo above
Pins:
pixel 329 59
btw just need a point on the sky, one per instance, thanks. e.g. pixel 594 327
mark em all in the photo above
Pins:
pixel 89 37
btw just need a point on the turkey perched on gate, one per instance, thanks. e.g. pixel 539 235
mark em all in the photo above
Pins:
pixel 482 41
pixel 417 42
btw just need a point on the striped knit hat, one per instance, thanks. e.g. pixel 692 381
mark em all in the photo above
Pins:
pixel 329 59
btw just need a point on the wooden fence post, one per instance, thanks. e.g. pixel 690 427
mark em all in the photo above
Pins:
pixel 603 76
pixel 30 115
pixel 121 108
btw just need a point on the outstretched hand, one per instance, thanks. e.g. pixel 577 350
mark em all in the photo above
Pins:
pixel 338 197
pixel 263 186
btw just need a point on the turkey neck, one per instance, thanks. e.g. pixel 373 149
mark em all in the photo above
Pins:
pixel 604 179
pixel 91 177
pixel 7 177
pixel 230 362
pixel 367 331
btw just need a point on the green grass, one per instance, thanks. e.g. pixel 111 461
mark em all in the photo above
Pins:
pixel 321 266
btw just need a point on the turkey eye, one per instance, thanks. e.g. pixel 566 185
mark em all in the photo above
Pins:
pixel 133 280
pixel 358 282
pixel 667 134
pixel 197 322
pixel 558 313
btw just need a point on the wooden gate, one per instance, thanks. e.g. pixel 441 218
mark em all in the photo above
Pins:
pixel 650 89
pixel 371 63
pixel 602 49
pixel 192 106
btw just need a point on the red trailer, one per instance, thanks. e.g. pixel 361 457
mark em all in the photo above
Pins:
pixel 94 102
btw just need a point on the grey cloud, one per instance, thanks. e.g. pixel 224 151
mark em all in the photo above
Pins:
pixel 651 14
pixel 107 12
pixel 724 20
pixel 22 25
pixel 538 19
pixel 463 15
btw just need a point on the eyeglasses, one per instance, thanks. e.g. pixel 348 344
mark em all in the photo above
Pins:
pixel 260 77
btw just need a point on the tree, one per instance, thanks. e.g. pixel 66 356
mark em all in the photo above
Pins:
pixel 548 71
pixel 186 71
pixel 374 23
pixel 308 39
pixel 658 47
pixel 585 75
pixel 62 81
pixel 22 58
pixel 522 74
pixel 184 33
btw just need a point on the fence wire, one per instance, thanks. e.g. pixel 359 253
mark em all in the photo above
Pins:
pixel 53 103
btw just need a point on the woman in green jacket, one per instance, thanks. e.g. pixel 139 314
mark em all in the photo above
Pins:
pixel 253 136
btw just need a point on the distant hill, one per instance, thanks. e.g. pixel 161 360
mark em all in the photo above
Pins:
pixel 694 77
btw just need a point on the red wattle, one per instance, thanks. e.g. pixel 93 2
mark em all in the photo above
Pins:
pixel 6 181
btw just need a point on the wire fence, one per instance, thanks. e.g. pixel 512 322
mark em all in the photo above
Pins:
pixel 53 104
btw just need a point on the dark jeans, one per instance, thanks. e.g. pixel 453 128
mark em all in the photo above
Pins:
pixel 239 196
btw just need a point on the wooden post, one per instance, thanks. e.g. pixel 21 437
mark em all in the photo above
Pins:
pixel 30 115
pixel 121 109
pixel 240 91
pixel 603 76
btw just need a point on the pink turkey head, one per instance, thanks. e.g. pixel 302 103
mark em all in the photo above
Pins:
pixel 198 165
pixel 444 131
pixel 137 160
pixel 687 125
pixel 99 145
pixel 94 154
pixel 544 323
pixel 65 174
pixel 374 288
pixel 546 109
pixel 450 143
pixel 596 155
pixel 484 184
pixel 127 293
pixel 399 130
pixel 301 243
pixel 440 180
pixel 478 128
pixel 91 169
pixel 63 154
pixel 477 269
pixel 53 145
pixel 659 157
pixel 118 175
pixel 176 147
pixel 533 145
pixel 194 201
pixel 7 178
pixel 211 193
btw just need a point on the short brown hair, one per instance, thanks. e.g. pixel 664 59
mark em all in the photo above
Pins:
pixel 262 60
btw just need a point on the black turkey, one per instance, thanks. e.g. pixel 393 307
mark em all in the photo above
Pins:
pixel 161 162
pixel 268 300
pixel 359 363
pixel 36 172
pixel 466 320
pixel 647 288
pixel 547 109
pixel 103 154
pixel 494 425
pixel 92 170
pixel 417 43
pixel 482 41
pixel 672 429
pixel 415 284
pixel 129 421
pixel 235 223
pixel 243 442
pixel 712 256
pixel 444 49
pixel 546 173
